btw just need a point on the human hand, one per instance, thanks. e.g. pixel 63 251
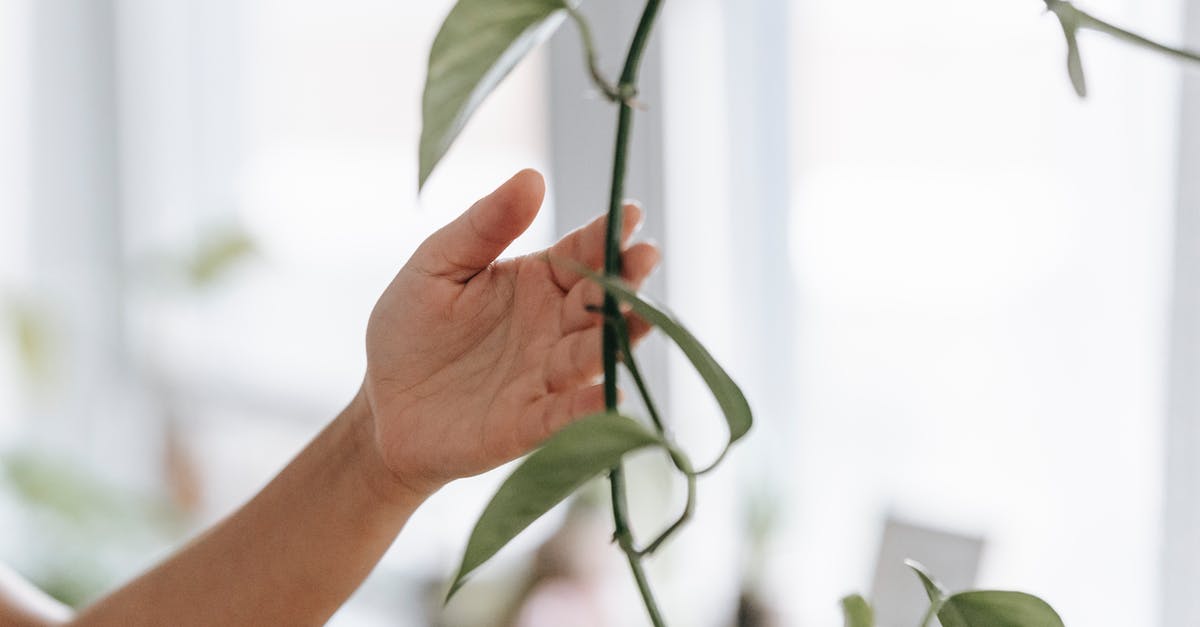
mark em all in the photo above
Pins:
pixel 473 362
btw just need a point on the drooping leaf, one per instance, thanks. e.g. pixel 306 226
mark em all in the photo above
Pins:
pixel 480 42
pixel 997 608
pixel 1071 19
pixel 857 612
pixel 729 396
pixel 1074 59
pixel 933 589
pixel 574 455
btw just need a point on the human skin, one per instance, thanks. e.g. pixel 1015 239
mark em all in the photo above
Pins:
pixel 471 363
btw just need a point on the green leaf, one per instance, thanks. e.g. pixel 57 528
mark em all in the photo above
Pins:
pixel 1069 18
pixel 729 396
pixel 479 43
pixel 857 611
pixel 997 608
pixel 933 589
pixel 574 455
pixel 984 608
pixel 1074 61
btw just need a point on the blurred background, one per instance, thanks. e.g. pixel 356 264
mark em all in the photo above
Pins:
pixel 964 304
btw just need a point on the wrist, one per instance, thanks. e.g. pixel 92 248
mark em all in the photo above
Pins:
pixel 377 475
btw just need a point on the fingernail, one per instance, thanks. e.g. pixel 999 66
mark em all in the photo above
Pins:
pixel 641 217
pixel 658 256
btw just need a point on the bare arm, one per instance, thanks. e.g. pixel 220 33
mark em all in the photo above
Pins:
pixel 471 362
pixel 292 555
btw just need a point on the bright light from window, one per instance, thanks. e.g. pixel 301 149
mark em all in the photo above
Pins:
pixel 982 266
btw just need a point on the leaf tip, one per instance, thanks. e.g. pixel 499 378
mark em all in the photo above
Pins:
pixel 1078 78
pixel 458 584
pixel 857 612
pixel 424 169
pixel 933 588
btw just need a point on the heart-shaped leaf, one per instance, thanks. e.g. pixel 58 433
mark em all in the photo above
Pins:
pixel 729 396
pixel 985 608
pixel 997 608
pixel 480 42
pixel 857 611
pixel 565 462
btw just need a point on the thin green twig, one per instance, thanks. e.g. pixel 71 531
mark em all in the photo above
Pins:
pixel 1086 20
pixel 589 50
pixel 1073 17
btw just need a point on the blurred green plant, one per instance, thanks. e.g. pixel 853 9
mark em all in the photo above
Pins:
pixel 81 522
pixel 479 43
pixel 89 529
pixel 221 250
pixel 858 612
pixel 28 323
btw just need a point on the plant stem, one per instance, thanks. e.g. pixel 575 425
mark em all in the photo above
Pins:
pixel 1070 14
pixel 633 60
pixel 589 50
pixel 626 88
pixel 1086 20
pixel 631 365
pixel 612 255
pixel 624 538
pixel 927 620
pixel 688 509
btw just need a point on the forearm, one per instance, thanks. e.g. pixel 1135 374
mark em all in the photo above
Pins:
pixel 292 555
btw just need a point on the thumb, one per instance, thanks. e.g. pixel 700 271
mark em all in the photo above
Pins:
pixel 459 250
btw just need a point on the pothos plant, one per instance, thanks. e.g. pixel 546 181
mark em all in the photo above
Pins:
pixel 478 44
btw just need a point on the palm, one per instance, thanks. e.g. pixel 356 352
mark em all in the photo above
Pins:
pixel 473 363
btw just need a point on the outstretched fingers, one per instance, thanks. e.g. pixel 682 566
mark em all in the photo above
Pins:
pixel 571 369
pixel 578 358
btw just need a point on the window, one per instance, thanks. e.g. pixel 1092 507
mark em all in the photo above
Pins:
pixel 975 273
pixel 942 280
